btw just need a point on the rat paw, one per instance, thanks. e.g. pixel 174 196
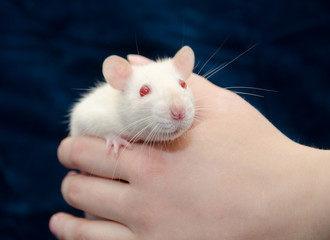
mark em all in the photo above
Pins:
pixel 116 143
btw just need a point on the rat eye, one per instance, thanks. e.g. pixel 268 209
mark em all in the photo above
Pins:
pixel 183 84
pixel 144 90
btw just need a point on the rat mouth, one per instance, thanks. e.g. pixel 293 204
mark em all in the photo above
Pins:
pixel 174 133
pixel 171 131
pixel 166 134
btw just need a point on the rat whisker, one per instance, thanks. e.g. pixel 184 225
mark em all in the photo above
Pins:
pixel 135 124
pixel 234 59
pixel 196 65
pixel 139 133
pixel 149 139
pixel 197 99
pixel 252 88
pixel 153 137
pixel 136 45
pixel 218 49
pixel 213 70
pixel 250 94
pixel 81 89
pixel 204 108
pixel 152 134
pixel 197 119
pixel 115 169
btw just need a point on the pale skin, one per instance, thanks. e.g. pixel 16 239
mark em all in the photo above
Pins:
pixel 233 175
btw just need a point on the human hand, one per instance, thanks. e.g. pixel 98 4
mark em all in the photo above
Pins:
pixel 232 176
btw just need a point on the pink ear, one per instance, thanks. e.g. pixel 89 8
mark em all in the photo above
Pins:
pixel 184 61
pixel 135 59
pixel 116 70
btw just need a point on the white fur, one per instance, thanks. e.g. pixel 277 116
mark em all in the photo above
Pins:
pixel 107 111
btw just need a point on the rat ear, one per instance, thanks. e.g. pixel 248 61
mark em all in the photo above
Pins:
pixel 135 59
pixel 116 70
pixel 184 61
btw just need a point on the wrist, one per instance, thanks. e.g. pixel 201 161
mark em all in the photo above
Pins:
pixel 322 192
pixel 300 197
pixel 313 186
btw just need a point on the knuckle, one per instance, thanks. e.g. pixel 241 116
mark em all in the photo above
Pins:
pixel 144 220
pixel 151 165
pixel 153 168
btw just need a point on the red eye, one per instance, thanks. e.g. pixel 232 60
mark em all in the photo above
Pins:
pixel 144 90
pixel 183 83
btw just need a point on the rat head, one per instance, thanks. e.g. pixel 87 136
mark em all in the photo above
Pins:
pixel 155 102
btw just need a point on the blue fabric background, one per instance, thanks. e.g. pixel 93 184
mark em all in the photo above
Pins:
pixel 49 50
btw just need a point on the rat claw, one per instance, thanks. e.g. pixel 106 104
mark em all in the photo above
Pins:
pixel 116 143
pixel 116 147
pixel 108 145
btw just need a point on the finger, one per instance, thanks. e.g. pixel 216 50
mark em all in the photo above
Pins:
pixel 98 196
pixel 65 226
pixel 88 154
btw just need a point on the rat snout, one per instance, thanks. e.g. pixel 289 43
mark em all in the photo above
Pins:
pixel 177 113
pixel 176 106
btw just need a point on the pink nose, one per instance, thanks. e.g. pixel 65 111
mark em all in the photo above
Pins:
pixel 177 113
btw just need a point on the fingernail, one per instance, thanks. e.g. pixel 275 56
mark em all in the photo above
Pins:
pixel 70 173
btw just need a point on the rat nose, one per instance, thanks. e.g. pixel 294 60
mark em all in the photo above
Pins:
pixel 177 113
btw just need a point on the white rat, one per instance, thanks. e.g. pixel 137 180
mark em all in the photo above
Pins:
pixel 148 102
